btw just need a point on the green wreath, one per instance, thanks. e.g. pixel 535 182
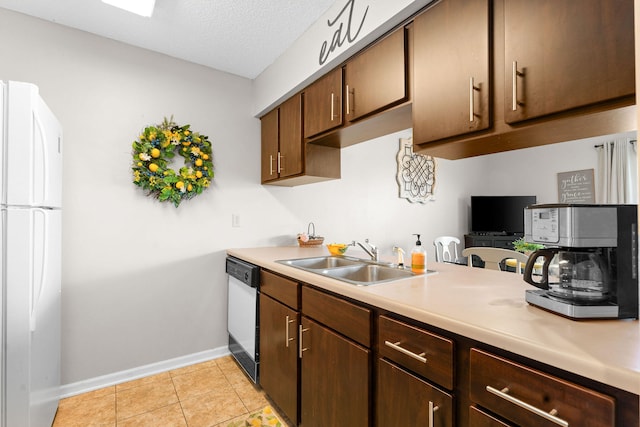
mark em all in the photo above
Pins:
pixel 156 146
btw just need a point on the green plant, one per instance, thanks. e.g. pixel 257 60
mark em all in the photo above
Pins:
pixel 521 245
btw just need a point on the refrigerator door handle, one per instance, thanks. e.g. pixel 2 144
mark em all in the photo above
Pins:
pixel 39 256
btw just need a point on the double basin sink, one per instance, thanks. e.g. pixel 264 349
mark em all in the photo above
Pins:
pixel 351 270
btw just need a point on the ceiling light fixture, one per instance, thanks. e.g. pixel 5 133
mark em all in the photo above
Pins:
pixel 139 7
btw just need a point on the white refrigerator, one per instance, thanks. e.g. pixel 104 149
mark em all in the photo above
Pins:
pixel 30 259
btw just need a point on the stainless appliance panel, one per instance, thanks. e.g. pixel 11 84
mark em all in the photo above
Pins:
pixel 577 226
pixel 242 314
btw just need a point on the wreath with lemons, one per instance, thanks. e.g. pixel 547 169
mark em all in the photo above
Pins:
pixel 152 153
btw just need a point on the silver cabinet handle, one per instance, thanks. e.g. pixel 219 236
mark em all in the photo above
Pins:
pixel 270 164
pixel 471 89
pixel 432 410
pixel 347 100
pixel 514 93
pixel 332 102
pixel 300 348
pixel 514 86
pixel 420 357
pixel 286 328
pixel 279 163
pixel 551 415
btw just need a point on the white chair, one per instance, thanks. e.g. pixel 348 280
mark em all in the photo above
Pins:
pixel 493 257
pixel 443 246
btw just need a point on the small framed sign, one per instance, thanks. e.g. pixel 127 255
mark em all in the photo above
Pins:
pixel 576 187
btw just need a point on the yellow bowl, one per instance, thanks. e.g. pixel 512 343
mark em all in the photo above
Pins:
pixel 337 248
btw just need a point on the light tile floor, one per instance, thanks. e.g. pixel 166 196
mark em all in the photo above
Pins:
pixel 209 394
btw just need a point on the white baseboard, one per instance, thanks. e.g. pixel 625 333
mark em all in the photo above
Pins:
pixel 67 390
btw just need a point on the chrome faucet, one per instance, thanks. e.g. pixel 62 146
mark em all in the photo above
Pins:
pixel 372 250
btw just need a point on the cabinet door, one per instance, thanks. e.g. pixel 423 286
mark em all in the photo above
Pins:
pixel 335 376
pixel 323 104
pixel 406 400
pixel 376 78
pixel 291 143
pixel 451 70
pixel 279 355
pixel 562 54
pixel 269 140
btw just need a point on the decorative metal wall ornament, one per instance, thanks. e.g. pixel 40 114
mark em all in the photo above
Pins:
pixel 416 174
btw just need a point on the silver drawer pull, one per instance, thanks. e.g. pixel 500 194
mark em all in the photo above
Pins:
pixel 420 357
pixel 432 410
pixel 546 415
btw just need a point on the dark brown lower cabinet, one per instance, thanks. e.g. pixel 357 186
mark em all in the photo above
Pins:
pixel 404 399
pixel 279 355
pixel 316 365
pixel 335 378
pixel 529 397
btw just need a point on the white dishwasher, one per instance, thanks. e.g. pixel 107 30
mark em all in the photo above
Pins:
pixel 242 317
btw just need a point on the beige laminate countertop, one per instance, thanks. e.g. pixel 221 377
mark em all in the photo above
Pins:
pixel 487 306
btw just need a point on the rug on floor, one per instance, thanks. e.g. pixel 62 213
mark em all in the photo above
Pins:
pixel 263 418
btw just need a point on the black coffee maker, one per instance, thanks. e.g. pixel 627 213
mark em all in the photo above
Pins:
pixel 590 263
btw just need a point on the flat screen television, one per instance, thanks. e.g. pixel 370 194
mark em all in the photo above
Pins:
pixel 499 214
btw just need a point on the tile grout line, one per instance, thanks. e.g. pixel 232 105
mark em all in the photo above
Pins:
pixel 186 422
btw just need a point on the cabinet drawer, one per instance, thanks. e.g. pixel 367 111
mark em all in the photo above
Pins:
pixel 425 353
pixel 479 418
pixel 280 288
pixel 406 400
pixel 349 319
pixel 529 397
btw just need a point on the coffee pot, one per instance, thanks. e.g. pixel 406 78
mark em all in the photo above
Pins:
pixel 575 275
pixel 590 263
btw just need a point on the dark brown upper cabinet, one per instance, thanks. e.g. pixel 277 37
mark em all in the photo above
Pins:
pixel 270 145
pixel 282 140
pixel 291 155
pixel 376 78
pixel 563 54
pixel 323 104
pixel 452 83
pixel 286 158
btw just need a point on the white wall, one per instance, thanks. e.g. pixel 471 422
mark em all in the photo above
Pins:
pixel 299 64
pixel 144 282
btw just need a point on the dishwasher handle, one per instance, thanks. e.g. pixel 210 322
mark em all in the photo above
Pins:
pixel 247 273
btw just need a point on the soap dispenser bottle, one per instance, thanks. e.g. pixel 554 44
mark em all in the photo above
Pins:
pixel 418 257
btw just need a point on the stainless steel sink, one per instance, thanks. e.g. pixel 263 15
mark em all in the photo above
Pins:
pixel 367 274
pixel 319 263
pixel 351 270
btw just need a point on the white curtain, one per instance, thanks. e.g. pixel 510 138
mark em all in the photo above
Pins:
pixel 617 172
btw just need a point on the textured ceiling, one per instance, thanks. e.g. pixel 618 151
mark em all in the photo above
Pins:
pixel 241 37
